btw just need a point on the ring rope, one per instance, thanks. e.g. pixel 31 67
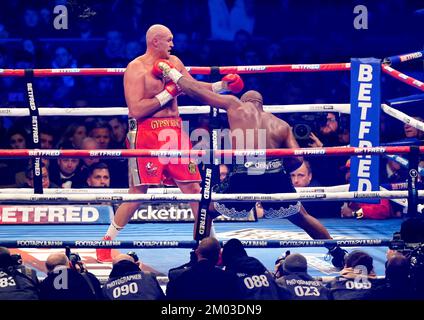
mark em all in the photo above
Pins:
pixel 403 58
pixel 191 244
pixel 110 111
pixel 344 187
pixel 247 197
pixel 403 117
pixel 192 70
pixel 403 77
pixel 406 99
pixel 253 153
pixel 332 189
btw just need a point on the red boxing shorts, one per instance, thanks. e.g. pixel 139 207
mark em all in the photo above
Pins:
pixel 160 134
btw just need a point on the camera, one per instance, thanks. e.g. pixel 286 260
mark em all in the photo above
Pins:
pixel 133 255
pixel 76 262
pixel 16 259
pixel 305 123
pixel 410 242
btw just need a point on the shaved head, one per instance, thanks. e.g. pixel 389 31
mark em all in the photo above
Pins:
pixel 209 248
pixel 56 259
pixel 122 257
pixel 155 31
pixel 252 96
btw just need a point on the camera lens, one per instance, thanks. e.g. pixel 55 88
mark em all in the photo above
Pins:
pixel 301 131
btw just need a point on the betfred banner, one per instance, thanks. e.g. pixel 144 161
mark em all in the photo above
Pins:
pixel 43 214
pixel 52 214
pixel 365 101
pixel 172 213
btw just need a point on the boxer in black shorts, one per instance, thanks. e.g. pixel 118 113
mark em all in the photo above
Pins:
pixel 259 129
pixel 242 179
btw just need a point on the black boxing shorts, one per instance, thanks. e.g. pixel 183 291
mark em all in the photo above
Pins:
pixel 265 177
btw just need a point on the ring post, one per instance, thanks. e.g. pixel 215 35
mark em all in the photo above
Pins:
pixel 412 181
pixel 35 134
pixel 365 100
pixel 204 220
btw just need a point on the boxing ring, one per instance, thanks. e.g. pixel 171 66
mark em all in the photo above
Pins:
pixel 265 239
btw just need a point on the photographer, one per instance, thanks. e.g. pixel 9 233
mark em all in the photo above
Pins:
pixel 66 280
pixel 293 277
pixel 127 282
pixel 328 135
pixel 398 284
pixel 17 281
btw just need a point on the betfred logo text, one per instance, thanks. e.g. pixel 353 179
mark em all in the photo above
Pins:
pixel 251 68
pixel 48 153
pixel 305 67
pixel 47 214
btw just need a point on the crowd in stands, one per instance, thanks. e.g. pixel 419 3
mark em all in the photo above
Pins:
pixel 213 273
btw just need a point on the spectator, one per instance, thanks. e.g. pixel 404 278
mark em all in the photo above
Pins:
pixel 302 177
pixel 46 138
pixel 295 280
pixel 223 172
pixel 88 143
pixel 3 33
pixel 115 47
pixel 226 21
pixel 127 282
pixel 64 282
pixel 13 170
pixel 362 210
pixel 119 127
pixel 64 85
pixel 47 141
pixel 65 176
pixel 73 136
pixel 98 176
pixel 133 49
pixel 398 284
pixel 411 132
pixel 328 136
pixel 357 280
pixel 257 281
pixel 17 281
pixel 205 281
pixel 101 131
pixel 29 174
pixel 31 21
pixel 173 273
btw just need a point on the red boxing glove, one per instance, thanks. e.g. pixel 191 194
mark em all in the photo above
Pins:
pixel 231 82
pixel 164 68
pixel 234 82
pixel 159 66
pixel 171 91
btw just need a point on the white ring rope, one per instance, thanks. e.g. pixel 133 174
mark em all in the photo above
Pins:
pixel 110 111
pixel 344 187
pixel 332 189
pixel 403 117
pixel 252 197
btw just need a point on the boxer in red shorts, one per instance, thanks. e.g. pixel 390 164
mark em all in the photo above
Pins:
pixel 156 171
pixel 150 97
